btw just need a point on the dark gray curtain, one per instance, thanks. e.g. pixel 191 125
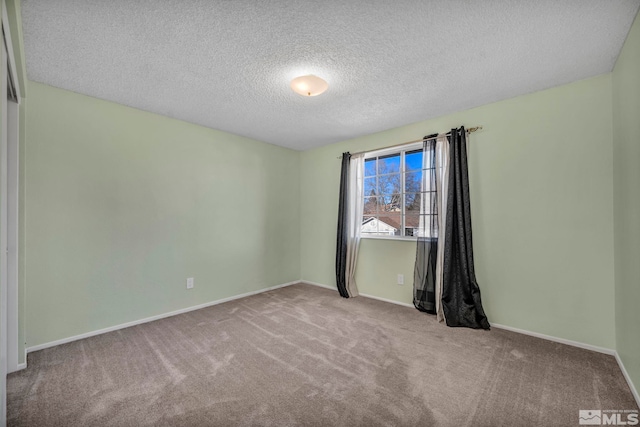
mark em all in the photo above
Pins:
pixel 461 300
pixel 424 274
pixel 341 248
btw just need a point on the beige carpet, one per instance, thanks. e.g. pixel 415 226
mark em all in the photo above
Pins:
pixel 302 355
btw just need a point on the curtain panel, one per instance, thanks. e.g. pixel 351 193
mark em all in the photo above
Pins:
pixel 343 235
pixel 350 209
pixel 442 166
pixel 425 275
pixel 461 302
pixel 354 219
pixel 427 280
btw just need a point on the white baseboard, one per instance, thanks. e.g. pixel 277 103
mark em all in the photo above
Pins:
pixel 20 366
pixel 404 304
pixel 152 318
pixel 634 391
pixel 556 339
pixel 322 285
pixel 362 295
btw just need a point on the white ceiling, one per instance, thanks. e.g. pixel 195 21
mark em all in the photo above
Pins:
pixel 227 64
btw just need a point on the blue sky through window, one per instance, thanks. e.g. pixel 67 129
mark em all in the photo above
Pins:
pixel 392 188
pixel 413 161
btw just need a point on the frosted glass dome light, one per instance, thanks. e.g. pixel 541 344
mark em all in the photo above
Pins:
pixel 309 85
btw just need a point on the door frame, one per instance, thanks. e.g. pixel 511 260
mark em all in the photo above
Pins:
pixel 9 199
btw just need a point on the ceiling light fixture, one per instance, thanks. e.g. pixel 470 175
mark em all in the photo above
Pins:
pixel 309 85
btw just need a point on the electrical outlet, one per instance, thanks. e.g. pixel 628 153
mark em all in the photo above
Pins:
pixel 190 283
pixel 400 279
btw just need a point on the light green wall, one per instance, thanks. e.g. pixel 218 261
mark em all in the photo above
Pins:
pixel 122 206
pixel 541 191
pixel 626 161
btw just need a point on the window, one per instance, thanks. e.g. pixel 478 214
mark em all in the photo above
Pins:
pixel 392 192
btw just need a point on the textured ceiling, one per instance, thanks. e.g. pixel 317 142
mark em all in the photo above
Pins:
pixel 228 64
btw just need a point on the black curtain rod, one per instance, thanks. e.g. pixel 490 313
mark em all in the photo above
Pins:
pixel 470 130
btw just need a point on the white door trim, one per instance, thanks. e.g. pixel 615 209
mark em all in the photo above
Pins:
pixel 3 233
pixel 9 165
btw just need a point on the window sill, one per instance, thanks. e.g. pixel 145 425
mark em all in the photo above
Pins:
pixel 397 238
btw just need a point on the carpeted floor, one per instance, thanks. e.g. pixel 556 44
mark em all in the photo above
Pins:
pixel 301 355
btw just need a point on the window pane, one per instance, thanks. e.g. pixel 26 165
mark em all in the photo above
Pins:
pixel 370 167
pixel 370 205
pixel 393 195
pixel 413 160
pixel 411 223
pixel 389 224
pixel 369 226
pixel 389 164
pixel 412 182
pixel 390 203
pixel 412 203
pixel 370 186
pixel 389 184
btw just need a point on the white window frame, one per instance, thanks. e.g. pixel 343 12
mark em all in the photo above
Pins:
pixel 402 149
